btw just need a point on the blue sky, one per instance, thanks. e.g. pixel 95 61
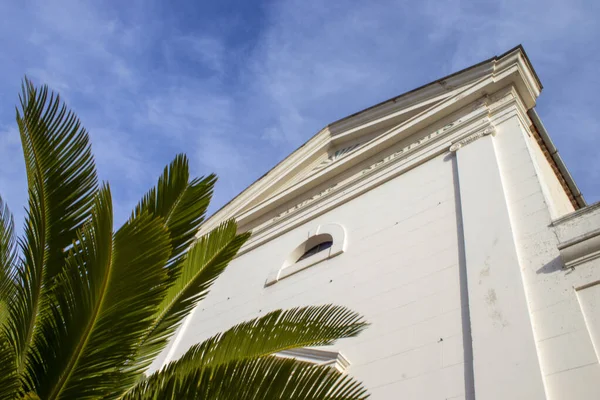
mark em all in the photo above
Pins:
pixel 238 85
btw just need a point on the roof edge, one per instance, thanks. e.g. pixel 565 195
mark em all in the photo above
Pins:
pixel 327 127
pixel 556 158
pixel 394 99
pixel 529 64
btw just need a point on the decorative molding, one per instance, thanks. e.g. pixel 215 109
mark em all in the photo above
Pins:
pixel 305 202
pixel 490 130
pixel 405 151
pixel 238 205
pixel 335 359
pixel 580 249
pixel 356 184
pixel 405 129
pixel 412 146
pixel 510 69
pixel 335 156
pixel 472 114
pixel 581 213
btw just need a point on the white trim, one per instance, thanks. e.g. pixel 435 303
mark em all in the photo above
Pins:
pixel 334 232
pixel 437 100
pixel 581 249
pixel 337 194
pixel 334 359
pixel 470 139
pixel 575 214
pixel 480 116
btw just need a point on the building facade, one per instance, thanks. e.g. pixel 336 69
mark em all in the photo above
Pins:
pixel 444 216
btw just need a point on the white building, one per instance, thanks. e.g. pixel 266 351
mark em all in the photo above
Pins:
pixel 456 231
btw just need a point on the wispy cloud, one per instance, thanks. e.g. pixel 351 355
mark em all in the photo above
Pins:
pixel 238 86
pixel 13 186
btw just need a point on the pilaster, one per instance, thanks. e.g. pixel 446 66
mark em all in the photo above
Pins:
pixel 505 361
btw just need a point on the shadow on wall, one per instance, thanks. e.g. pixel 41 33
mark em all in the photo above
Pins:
pixel 464 290
pixel 555 265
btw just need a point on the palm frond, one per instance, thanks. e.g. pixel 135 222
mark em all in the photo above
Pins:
pixel 77 294
pixel 29 289
pixel 205 261
pixel 181 203
pixel 8 257
pixel 60 167
pixel 87 309
pixel 276 331
pixel 61 183
pixel 9 380
pixel 105 299
pixel 263 378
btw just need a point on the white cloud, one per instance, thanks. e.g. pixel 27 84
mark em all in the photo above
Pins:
pixel 148 85
pixel 13 185
pixel 319 61
pixel 201 51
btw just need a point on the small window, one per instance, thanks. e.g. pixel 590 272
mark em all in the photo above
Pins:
pixel 316 249
pixel 323 243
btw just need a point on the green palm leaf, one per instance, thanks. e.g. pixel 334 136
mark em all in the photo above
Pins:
pixel 205 261
pixel 84 310
pixel 276 331
pixel 104 303
pixel 60 167
pixel 257 379
pixel 9 379
pixel 8 257
pixel 181 203
pixel 62 182
pixel 9 382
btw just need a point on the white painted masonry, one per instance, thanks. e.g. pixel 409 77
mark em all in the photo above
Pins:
pixel 456 232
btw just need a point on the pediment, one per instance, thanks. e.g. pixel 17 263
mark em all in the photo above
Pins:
pixel 363 134
pixel 337 144
pixel 344 142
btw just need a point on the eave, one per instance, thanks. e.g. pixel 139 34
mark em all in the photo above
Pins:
pixel 425 105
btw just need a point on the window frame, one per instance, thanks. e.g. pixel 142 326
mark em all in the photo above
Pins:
pixel 316 249
pixel 292 264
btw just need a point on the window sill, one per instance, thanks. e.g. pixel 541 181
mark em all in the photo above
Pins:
pixel 334 359
pixel 276 276
pixel 331 232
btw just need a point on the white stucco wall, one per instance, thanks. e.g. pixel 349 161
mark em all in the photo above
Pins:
pixel 566 355
pixel 456 263
pixel 400 270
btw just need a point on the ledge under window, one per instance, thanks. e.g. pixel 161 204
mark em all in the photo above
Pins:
pixel 335 359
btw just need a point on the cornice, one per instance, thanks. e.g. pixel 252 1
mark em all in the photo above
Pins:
pixel 372 175
pixel 313 147
pixel 427 94
pixel 377 145
pixel 576 214
pixel 476 121
pixel 517 64
pixel 369 121
pixel 512 71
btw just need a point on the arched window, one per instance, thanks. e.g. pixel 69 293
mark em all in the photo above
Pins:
pixel 323 243
pixel 315 249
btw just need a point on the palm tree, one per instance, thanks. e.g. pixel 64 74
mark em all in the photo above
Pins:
pixel 84 308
